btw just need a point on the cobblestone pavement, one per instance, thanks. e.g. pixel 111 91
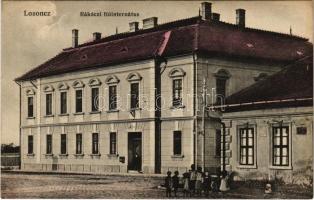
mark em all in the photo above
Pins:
pixel 17 185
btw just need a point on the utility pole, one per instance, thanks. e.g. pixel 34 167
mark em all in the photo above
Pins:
pixel 203 121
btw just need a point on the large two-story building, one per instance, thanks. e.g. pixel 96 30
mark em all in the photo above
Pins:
pixel 132 101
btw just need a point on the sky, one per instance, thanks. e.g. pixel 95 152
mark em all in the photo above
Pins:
pixel 27 41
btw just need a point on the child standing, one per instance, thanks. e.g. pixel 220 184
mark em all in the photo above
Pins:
pixel 206 184
pixel 198 182
pixel 175 182
pixel 168 184
pixel 186 187
pixel 192 179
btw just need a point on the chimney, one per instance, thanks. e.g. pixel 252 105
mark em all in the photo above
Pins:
pixel 240 20
pixel 133 26
pixel 216 17
pixel 74 38
pixel 96 36
pixel 206 10
pixel 150 22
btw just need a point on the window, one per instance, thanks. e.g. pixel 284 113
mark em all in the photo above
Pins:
pixel 112 97
pixel 221 79
pixel 30 106
pixel 177 142
pixel 79 143
pixel 246 146
pixel 220 89
pixel 48 104
pixel 63 102
pixel 78 101
pixel 280 143
pixel 63 144
pixel 134 95
pixel 30 144
pixel 95 143
pixel 218 143
pixel 49 144
pixel 177 92
pixel 113 143
pixel 95 99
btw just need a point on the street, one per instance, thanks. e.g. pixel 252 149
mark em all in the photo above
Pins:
pixel 20 185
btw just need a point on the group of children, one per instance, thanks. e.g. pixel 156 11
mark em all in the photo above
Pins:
pixel 193 182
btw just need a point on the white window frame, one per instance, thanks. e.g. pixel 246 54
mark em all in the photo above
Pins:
pixel 254 127
pixel 271 166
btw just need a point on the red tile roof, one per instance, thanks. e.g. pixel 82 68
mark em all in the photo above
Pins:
pixel 175 38
pixel 293 86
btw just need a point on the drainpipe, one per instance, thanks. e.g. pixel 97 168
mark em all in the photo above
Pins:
pixel 194 111
pixel 20 124
pixel 223 147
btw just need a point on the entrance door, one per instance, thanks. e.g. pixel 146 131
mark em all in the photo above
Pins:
pixel 135 151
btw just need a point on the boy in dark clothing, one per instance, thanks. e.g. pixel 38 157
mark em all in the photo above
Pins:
pixel 168 184
pixel 206 184
pixel 175 182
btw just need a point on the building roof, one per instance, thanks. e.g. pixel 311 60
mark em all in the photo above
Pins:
pixel 293 86
pixel 172 39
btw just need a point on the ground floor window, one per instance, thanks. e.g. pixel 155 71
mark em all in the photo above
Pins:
pixel 30 144
pixel 113 143
pixel 177 143
pixel 218 143
pixel 280 147
pixel 49 144
pixel 79 143
pixel 95 142
pixel 246 146
pixel 63 143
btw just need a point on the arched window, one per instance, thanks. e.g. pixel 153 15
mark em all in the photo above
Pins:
pixel 78 86
pixel 221 79
pixel 177 75
pixel 112 82
pixel 134 79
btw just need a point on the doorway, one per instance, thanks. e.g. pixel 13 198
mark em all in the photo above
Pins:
pixel 135 151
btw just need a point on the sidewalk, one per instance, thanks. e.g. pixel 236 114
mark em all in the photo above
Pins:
pixel 136 174
pixel 31 184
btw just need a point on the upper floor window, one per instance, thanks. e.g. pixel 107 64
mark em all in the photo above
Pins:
pixel 78 85
pixel 177 75
pixel 94 84
pixel 63 102
pixel 246 148
pixel 49 104
pixel 134 95
pixel 95 99
pixel 134 78
pixel 78 101
pixel 30 149
pixel 113 143
pixel 30 106
pixel 112 81
pixel 221 80
pixel 30 102
pixel 280 146
pixel 95 143
pixel 177 92
pixel 48 90
pixel 177 143
pixel 63 97
pixel 112 97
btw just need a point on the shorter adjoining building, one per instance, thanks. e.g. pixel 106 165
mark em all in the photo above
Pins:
pixel 269 132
